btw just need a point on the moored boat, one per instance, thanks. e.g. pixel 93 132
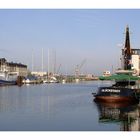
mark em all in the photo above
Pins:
pixel 31 79
pixel 116 94
pixel 125 89
pixel 8 78
pixel 7 82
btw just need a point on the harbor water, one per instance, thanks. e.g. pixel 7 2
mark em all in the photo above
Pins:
pixel 62 107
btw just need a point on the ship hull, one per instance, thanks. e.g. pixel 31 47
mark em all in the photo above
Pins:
pixel 118 99
pixel 115 95
pixel 5 82
pixel 115 104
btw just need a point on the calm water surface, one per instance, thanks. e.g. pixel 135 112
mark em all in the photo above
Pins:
pixel 62 107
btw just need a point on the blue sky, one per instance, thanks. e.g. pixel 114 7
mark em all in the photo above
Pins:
pixel 74 35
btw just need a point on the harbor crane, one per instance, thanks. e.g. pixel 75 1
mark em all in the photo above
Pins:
pixel 78 68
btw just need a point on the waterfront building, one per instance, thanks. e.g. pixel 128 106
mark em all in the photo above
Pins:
pixel 38 73
pixel 11 67
pixel 130 57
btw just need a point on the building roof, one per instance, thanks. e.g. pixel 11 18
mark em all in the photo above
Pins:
pixel 16 64
pixel 3 60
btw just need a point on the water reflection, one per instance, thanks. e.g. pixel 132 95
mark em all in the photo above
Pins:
pixel 40 100
pixel 125 115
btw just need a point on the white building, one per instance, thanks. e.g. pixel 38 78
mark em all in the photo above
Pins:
pixel 135 61
pixel 38 73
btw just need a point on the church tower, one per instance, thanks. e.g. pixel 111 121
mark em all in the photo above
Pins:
pixel 127 51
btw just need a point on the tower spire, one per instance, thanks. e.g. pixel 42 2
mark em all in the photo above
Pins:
pixel 127 51
pixel 127 42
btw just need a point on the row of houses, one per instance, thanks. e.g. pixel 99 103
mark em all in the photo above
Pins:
pixel 12 67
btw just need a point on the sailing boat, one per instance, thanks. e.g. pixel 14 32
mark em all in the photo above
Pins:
pixel 50 77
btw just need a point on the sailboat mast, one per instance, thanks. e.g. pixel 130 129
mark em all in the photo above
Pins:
pixel 54 62
pixel 32 61
pixel 42 60
pixel 48 62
